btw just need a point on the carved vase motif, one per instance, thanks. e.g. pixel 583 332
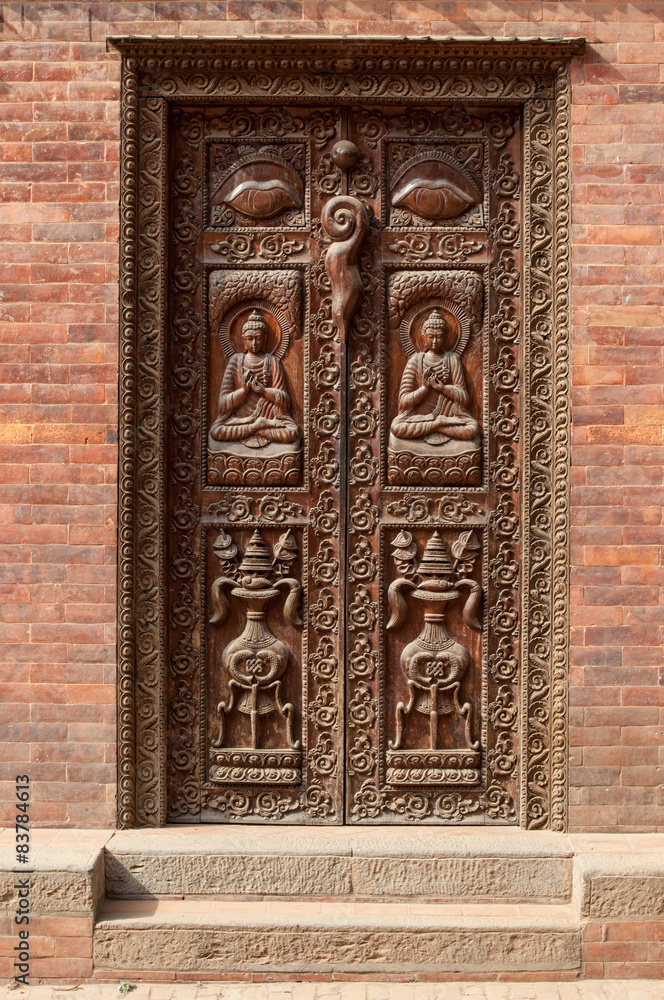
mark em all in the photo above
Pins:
pixel 256 662
pixel 434 664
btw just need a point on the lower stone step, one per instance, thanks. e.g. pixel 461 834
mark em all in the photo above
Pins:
pixel 375 863
pixel 327 937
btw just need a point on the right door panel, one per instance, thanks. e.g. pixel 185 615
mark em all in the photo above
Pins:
pixel 434 439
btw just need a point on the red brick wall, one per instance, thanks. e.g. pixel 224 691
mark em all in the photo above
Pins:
pixel 623 950
pixel 59 132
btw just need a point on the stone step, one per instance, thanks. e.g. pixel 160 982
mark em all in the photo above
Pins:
pixel 208 937
pixel 390 863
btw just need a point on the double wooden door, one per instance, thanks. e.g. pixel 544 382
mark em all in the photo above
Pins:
pixel 343 433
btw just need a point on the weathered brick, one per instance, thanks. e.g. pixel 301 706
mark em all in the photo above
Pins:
pixel 59 168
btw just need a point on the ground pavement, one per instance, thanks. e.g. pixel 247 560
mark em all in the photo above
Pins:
pixel 632 989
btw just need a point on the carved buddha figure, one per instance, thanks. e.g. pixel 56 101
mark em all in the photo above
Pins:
pixel 254 402
pixel 433 415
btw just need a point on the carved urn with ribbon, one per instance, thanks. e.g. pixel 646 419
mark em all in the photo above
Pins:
pixel 434 663
pixel 256 660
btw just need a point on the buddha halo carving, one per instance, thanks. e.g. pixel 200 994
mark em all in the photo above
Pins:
pixel 257 660
pixel 434 663
pixel 434 439
pixel 254 439
pixel 460 286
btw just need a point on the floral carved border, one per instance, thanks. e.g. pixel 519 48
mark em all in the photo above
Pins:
pixel 533 73
pixel 346 70
pixel 141 579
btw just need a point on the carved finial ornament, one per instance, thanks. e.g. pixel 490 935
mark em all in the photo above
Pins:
pixel 346 221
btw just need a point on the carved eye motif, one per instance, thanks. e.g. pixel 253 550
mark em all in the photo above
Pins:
pixel 434 189
pixel 260 189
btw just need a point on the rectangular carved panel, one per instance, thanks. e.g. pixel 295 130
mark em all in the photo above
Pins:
pixel 255 686
pixel 433 597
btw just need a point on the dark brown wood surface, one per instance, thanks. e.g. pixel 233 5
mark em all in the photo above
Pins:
pixel 343 489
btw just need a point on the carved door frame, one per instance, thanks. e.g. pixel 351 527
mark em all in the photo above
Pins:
pixel 531 73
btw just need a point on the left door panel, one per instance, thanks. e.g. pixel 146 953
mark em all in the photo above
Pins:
pixel 253 439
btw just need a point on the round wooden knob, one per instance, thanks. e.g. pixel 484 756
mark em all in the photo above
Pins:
pixel 345 154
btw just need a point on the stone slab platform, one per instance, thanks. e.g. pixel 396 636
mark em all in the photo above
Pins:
pixel 333 937
pixel 616 902
pixel 395 863
pixel 619 886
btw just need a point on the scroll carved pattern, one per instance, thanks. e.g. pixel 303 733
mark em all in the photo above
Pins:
pixel 141 609
pixel 427 246
pixel 546 681
pixel 363 547
pixel 184 532
pixel 374 126
pixel 275 247
pixel 559 416
pixel 323 666
pixel 273 123
pixel 504 388
pixel 325 674
pixel 128 790
pixel 272 507
pixel 251 70
pixel 452 509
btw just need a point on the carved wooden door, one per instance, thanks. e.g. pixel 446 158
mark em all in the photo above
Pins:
pixel 343 437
